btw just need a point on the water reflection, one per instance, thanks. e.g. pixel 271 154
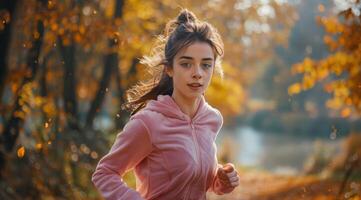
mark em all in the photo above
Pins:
pixel 280 153
pixel 250 146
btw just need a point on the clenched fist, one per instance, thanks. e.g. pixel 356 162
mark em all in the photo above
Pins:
pixel 228 177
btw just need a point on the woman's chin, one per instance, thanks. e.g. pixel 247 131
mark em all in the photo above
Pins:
pixel 194 95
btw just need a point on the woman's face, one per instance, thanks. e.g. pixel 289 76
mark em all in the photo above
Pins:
pixel 192 70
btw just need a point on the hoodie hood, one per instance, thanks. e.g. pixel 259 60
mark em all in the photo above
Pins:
pixel 166 105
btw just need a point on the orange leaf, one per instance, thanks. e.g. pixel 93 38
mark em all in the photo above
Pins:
pixel 21 152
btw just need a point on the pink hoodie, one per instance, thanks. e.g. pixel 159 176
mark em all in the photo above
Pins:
pixel 174 157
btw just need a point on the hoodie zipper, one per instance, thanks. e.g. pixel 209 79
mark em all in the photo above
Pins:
pixel 198 163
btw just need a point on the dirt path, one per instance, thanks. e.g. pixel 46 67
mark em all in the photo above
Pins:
pixel 264 186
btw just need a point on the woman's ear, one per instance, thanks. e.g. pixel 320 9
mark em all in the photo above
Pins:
pixel 169 71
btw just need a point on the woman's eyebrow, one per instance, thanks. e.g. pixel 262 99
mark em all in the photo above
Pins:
pixel 186 57
pixel 191 58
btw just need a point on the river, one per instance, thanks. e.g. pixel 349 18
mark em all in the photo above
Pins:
pixel 279 153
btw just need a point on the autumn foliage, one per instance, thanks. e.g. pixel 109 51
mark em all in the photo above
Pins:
pixel 340 71
pixel 65 67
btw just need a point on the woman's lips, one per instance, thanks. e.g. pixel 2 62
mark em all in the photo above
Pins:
pixel 195 86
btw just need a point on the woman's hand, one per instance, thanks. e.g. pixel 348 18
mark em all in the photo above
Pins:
pixel 228 177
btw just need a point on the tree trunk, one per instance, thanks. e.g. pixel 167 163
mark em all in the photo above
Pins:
pixel 122 114
pixel 69 84
pixel 12 127
pixel 5 38
pixel 110 65
pixel 351 164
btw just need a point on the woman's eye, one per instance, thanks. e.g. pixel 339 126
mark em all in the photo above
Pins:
pixel 207 65
pixel 186 65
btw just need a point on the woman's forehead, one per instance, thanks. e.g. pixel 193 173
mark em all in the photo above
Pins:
pixel 196 50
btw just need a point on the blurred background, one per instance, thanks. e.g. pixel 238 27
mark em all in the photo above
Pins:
pixel 290 96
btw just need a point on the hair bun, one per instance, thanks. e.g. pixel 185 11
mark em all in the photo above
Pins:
pixel 186 16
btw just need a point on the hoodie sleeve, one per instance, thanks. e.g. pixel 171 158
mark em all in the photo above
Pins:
pixel 220 120
pixel 131 146
pixel 217 187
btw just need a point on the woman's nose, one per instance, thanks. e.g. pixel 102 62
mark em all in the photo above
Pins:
pixel 197 74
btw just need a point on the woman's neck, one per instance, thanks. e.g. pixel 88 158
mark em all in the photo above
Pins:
pixel 187 106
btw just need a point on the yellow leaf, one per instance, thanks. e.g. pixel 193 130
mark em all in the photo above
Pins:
pixel 346 112
pixel 322 73
pixel 308 82
pixel 294 89
pixel 334 103
pixel 21 152
pixel 38 146
pixel 307 65
pixel 54 27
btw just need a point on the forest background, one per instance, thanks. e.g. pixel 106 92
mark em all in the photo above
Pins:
pixel 290 96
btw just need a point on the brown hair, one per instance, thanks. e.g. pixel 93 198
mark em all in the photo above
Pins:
pixel 179 33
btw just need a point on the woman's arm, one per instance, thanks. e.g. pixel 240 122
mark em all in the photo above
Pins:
pixel 131 146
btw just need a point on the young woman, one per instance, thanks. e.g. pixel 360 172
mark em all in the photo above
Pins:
pixel 169 140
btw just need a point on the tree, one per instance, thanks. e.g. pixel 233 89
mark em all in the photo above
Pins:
pixel 69 65
pixel 339 72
